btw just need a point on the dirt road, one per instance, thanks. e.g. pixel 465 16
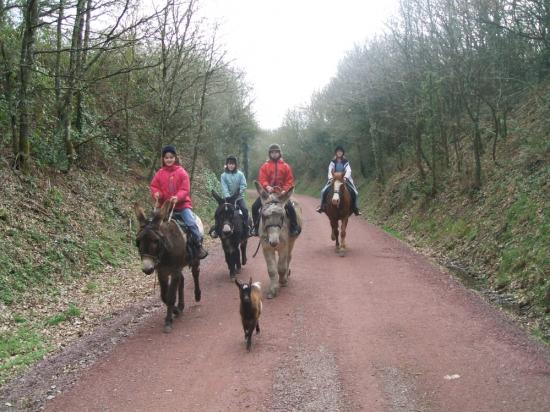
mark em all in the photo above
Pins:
pixel 379 330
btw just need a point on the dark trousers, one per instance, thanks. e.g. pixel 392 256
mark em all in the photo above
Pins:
pixel 241 204
pixel 289 208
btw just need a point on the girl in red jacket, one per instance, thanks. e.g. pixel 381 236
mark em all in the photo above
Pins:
pixel 171 184
pixel 275 175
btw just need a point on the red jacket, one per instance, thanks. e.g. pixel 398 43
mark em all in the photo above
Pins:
pixel 276 173
pixel 172 181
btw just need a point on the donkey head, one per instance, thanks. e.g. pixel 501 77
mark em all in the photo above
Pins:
pixel 224 215
pixel 150 240
pixel 273 213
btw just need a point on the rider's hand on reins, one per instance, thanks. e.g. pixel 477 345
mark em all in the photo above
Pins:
pixel 174 200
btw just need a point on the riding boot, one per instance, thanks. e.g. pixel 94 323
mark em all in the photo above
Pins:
pixel 294 228
pixel 320 209
pixel 201 252
pixel 212 232
pixel 255 228
pixel 195 249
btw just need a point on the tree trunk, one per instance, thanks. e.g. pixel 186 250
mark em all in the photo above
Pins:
pixel 477 155
pixel 75 65
pixel 418 146
pixel 84 54
pixel 25 77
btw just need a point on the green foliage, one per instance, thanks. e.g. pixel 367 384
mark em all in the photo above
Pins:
pixel 71 312
pixel 20 348
pixel 392 232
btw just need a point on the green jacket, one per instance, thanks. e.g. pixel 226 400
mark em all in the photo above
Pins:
pixel 233 182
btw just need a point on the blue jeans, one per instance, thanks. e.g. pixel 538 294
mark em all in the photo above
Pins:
pixel 189 219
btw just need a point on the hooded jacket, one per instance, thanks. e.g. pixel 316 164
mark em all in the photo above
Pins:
pixel 233 182
pixel 276 173
pixel 172 181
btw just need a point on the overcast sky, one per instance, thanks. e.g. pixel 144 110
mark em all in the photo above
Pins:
pixel 290 48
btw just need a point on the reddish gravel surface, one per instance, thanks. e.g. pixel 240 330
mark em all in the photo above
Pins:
pixel 381 329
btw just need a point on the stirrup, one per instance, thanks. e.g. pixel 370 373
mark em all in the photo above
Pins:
pixel 295 231
pixel 202 253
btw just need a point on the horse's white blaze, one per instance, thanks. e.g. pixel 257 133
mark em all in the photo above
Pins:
pixel 147 264
pixel 226 228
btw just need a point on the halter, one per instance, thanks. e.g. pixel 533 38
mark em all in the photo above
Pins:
pixel 230 222
pixel 162 244
pixel 282 217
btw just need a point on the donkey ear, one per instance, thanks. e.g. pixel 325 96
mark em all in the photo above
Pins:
pixel 263 194
pixel 140 214
pixel 284 198
pixel 238 283
pixel 163 212
pixel 250 282
pixel 217 197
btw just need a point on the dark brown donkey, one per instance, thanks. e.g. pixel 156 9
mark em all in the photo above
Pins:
pixel 162 247
pixel 338 208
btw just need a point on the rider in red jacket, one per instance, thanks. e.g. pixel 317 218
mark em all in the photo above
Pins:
pixel 171 184
pixel 275 176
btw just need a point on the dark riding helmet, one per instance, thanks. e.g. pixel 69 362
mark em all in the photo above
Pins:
pixel 339 147
pixel 168 149
pixel 274 148
pixel 231 159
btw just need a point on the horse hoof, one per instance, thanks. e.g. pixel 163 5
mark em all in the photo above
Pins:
pixel 232 277
pixel 238 271
pixel 167 328
pixel 176 312
pixel 270 295
pixel 283 283
pixel 198 296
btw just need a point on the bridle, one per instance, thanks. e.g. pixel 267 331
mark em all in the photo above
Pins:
pixel 162 244
pixel 281 221
pixel 229 222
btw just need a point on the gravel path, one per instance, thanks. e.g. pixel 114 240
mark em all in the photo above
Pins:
pixel 382 329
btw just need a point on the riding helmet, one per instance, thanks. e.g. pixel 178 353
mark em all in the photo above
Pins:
pixel 339 147
pixel 168 149
pixel 274 147
pixel 231 159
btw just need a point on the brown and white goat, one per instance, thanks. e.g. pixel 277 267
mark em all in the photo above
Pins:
pixel 251 308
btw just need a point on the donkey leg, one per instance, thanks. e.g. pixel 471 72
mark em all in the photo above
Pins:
pixel 170 302
pixel 237 257
pixel 243 252
pixel 271 261
pixel 181 303
pixel 163 288
pixel 282 268
pixel 195 269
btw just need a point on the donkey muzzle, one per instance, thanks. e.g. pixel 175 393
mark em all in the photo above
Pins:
pixel 147 265
pixel 226 229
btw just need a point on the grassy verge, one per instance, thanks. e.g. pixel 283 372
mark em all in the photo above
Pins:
pixel 499 235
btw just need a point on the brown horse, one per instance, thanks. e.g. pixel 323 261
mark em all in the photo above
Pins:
pixel 339 208
pixel 162 247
